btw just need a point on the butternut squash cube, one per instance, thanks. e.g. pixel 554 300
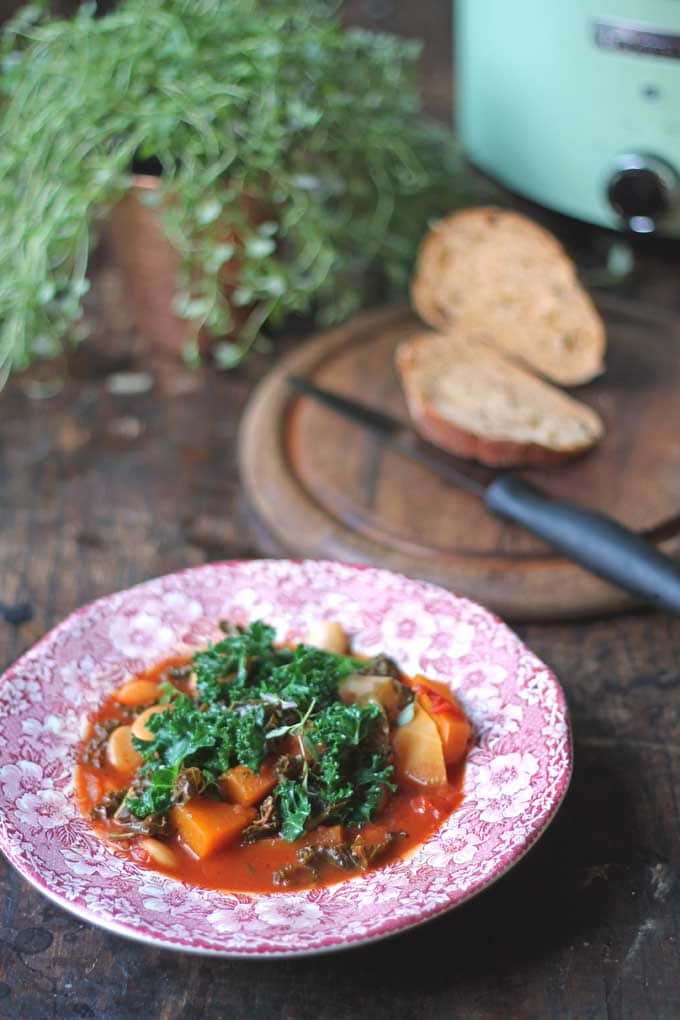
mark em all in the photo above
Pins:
pixel 243 786
pixel 327 835
pixel 456 734
pixel 208 825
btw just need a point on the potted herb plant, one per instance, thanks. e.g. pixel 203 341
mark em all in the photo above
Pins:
pixel 291 168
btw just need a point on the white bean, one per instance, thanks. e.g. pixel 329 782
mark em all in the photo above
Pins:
pixel 158 852
pixel 120 751
pixel 136 692
pixel 329 636
pixel 139 727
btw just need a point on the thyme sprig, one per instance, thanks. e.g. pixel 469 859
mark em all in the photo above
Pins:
pixel 297 169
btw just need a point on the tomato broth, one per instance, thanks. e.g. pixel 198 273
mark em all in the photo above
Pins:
pixel 413 812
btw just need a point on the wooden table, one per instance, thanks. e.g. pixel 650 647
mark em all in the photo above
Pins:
pixel 98 491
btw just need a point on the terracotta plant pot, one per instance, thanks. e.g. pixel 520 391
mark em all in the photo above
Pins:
pixel 150 267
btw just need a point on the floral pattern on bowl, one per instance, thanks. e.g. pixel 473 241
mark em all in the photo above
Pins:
pixel 515 779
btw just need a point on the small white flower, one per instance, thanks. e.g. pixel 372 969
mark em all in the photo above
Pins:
pixel 505 806
pixel 163 895
pixel 503 788
pixel 80 863
pixel 47 809
pixel 247 598
pixel 466 852
pixel 288 911
pixel 406 620
pixel 156 904
pixel 140 635
pixel 182 607
pixel 53 733
pixel 459 847
pixel 22 775
pixel 486 675
pixel 246 604
pixel 458 635
pixel 230 919
pixel 505 775
pixel 384 886
pixel 502 720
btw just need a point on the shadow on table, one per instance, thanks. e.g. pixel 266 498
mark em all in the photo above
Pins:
pixel 558 893
pixel 561 897
pixel 561 891
pixel 549 915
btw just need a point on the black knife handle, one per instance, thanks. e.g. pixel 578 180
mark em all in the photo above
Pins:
pixel 596 541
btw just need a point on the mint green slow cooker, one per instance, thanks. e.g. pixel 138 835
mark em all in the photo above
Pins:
pixel 576 105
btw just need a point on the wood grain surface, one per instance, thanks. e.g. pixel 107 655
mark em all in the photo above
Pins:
pixel 323 487
pixel 99 490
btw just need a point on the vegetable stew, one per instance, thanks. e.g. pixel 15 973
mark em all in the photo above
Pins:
pixel 258 767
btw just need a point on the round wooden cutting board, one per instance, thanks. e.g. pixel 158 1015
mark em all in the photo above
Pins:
pixel 323 488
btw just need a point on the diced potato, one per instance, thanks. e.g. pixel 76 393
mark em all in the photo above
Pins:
pixel 455 732
pixel 159 853
pixel 243 786
pixel 361 688
pixel 208 825
pixel 418 753
pixel 121 753
pixel 139 727
pixel 136 692
pixel 329 636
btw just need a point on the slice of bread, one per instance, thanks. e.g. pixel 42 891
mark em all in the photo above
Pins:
pixel 498 274
pixel 469 399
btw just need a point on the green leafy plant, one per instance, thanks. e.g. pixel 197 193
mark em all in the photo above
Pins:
pixel 252 695
pixel 265 104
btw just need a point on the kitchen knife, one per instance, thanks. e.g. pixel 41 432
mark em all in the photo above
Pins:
pixel 592 539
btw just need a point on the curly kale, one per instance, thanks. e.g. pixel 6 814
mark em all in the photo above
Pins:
pixel 237 658
pixel 246 665
pixel 352 777
pixel 344 782
pixel 251 698
pixel 184 736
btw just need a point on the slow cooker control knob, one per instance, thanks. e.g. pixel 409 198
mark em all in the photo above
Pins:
pixel 642 190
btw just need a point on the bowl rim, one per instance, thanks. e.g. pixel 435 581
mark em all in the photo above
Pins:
pixel 398 926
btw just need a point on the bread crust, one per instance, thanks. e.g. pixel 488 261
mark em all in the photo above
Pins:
pixel 439 268
pixel 491 450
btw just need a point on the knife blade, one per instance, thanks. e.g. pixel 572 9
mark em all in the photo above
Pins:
pixel 590 538
pixel 398 436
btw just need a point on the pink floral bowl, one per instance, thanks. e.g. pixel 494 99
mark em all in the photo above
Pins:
pixel 515 780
